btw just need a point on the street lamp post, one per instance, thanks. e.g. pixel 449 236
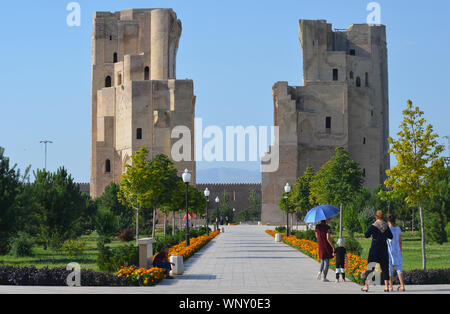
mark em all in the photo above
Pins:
pixel 186 179
pixel 207 193
pixel 45 143
pixel 217 212
pixel 287 189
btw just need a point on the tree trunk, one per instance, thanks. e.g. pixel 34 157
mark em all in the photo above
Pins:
pixel 412 221
pixel 137 225
pixel 165 220
pixel 173 223
pixel 422 230
pixel 154 224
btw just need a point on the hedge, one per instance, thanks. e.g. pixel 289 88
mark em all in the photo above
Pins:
pixel 30 276
pixel 427 277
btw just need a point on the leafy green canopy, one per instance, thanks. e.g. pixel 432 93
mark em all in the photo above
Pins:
pixel 338 181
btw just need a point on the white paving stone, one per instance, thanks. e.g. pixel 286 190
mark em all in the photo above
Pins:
pixel 242 260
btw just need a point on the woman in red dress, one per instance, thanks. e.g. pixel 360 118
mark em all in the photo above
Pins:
pixel 326 248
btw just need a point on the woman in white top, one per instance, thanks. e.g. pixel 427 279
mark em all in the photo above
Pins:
pixel 395 254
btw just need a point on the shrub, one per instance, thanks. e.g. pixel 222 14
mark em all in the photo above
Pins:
pixel 111 260
pixel 126 235
pixel 280 229
pixel 306 235
pixel 428 277
pixel 447 230
pixel 30 276
pixel 353 246
pixel 22 245
pixel 74 247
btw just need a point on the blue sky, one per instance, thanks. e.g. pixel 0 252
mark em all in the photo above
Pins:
pixel 233 50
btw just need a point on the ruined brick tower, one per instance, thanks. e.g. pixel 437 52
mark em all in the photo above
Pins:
pixel 343 103
pixel 136 99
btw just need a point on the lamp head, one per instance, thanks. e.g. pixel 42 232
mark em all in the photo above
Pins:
pixel 206 192
pixel 186 176
pixel 217 199
pixel 287 188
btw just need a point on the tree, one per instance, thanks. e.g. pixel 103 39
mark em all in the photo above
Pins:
pixel 10 188
pixel 60 209
pixel 109 201
pixel 147 184
pixel 225 209
pixel 337 182
pixel 301 193
pixel 254 209
pixel 106 223
pixel 135 184
pixel 417 153
pixel 436 210
pixel 245 215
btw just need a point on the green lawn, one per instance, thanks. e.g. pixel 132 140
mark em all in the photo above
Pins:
pixel 51 259
pixel 438 256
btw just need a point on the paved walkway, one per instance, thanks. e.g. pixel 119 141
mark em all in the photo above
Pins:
pixel 243 260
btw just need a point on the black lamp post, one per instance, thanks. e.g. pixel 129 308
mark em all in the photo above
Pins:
pixel 207 202
pixel 217 212
pixel 186 179
pixel 287 189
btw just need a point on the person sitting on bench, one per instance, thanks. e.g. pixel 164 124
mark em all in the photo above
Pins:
pixel 162 261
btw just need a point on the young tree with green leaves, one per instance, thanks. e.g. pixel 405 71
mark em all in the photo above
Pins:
pixel 337 182
pixel 254 209
pixel 135 184
pixel 418 163
pixel 301 192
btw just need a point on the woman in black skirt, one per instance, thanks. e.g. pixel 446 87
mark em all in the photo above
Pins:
pixel 378 253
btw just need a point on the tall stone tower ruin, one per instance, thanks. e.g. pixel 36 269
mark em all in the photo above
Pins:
pixel 343 103
pixel 136 98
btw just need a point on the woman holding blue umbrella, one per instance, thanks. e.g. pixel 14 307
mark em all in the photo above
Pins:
pixel 323 214
pixel 326 248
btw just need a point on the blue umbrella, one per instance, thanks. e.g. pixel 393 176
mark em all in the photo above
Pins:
pixel 320 213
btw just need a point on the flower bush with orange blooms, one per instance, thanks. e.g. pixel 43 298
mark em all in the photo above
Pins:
pixel 195 245
pixel 142 276
pixel 152 276
pixel 354 265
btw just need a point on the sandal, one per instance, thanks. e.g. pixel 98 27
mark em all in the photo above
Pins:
pixel 363 289
pixel 401 289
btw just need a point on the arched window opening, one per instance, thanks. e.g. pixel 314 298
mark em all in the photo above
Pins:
pixel 108 166
pixel 364 141
pixel 147 74
pixel 139 134
pixel 367 79
pixel 115 57
pixel 352 52
pixel 358 81
pixel 335 74
pixel 351 75
pixel 108 81
pixel 119 79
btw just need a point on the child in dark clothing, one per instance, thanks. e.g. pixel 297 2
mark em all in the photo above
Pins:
pixel 340 253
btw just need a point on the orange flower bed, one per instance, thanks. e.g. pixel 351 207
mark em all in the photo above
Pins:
pixel 354 265
pixel 142 276
pixel 152 276
pixel 195 245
